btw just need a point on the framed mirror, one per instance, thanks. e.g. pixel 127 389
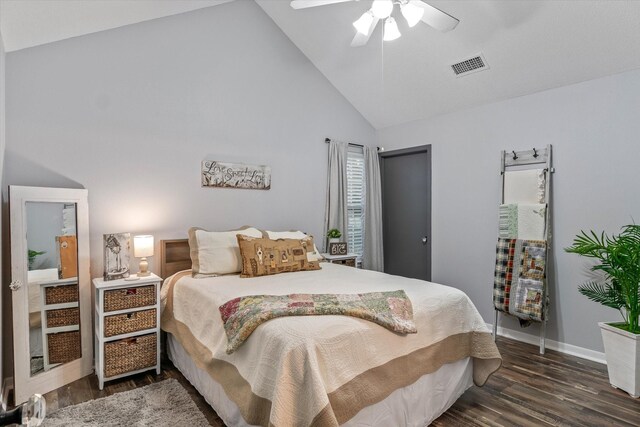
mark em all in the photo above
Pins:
pixel 51 288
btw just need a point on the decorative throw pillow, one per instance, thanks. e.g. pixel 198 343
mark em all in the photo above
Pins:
pixel 216 252
pixel 261 257
pixel 275 235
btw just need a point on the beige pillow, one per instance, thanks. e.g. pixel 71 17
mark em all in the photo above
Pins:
pixel 216 252
pixel 275 235
pixel 261 257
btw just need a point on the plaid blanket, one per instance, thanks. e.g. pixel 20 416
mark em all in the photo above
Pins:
pixel 242 315
pixel 505 256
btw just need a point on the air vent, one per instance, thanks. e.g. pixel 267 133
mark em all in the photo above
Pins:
pixel 470 65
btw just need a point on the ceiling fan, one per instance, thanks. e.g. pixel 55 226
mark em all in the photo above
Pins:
pixel 413 11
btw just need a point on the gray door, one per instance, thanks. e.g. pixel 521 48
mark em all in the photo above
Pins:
pixel 406 211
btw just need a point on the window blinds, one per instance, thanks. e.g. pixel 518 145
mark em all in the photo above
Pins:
pixel 355 200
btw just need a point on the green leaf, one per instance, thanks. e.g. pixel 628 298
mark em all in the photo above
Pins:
pixel 606 294
pixel 618 259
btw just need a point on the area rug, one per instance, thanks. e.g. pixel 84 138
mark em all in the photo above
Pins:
pixel 161 404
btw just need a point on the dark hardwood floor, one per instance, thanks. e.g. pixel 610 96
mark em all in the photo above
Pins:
pixel 528 390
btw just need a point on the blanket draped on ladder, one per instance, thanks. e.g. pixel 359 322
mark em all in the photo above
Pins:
pixel 519 285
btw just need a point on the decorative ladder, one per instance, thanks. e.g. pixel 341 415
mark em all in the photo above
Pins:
pixel 518 160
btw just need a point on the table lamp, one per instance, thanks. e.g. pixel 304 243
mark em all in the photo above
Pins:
pixel 142 248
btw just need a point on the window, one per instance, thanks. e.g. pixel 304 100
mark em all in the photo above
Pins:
pixel 355 200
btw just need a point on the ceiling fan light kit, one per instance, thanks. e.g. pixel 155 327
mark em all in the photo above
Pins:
pixel 382 9
pixel 413 11
pixel 363 25
pixel 391 31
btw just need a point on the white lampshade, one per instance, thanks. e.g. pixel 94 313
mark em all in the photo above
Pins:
pixel 143 246
pixel 412 13
pixel 382 8
pixel 363 25
pixel 391 31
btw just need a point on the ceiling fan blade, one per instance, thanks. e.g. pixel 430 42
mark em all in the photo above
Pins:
pixel 303 4
pixel 435 17
pixel 360 39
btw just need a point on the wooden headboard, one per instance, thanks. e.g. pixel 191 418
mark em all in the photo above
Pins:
pixel 174 256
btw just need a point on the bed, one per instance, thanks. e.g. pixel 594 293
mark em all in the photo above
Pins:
pixel 323 370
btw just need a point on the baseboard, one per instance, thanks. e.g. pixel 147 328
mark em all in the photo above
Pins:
pixel 573 350
pixel 7 386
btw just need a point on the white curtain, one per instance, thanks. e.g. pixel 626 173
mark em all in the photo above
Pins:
pixel 373 257
pixel 336 206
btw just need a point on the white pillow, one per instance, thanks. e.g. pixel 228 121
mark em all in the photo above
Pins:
pixel 275 235
pixel 216 252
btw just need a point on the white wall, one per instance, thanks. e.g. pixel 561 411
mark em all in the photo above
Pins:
pixel 594 128
pixel 130 113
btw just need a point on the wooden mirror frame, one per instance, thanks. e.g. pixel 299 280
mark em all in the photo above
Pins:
pixel 26 385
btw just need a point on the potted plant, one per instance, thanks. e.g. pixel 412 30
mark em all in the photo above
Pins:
pixel 618 259
pixel 31 255
pixel 334 235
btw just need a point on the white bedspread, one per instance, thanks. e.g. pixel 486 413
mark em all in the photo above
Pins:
pixel 321 370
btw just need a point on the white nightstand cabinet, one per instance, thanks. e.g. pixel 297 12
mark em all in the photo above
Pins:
pixel 127 327
pixel 348 259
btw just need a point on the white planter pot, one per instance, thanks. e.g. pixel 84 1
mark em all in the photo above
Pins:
pixel 622 350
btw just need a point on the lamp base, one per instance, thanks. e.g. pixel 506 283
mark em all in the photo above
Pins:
pixel 144 268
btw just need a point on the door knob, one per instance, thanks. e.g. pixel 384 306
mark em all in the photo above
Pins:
pixel 424 240
pixel 15 285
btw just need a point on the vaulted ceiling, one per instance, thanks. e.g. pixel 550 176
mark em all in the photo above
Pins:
pixel 530 46
pixel 28 23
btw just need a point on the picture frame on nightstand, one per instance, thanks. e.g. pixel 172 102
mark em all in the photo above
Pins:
pixel 117 254
pixel 338 248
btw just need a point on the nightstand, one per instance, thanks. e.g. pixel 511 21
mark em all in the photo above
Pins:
pixel 348 259
pixel 127 327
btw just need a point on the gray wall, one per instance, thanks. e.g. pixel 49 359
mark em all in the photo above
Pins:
pixel 130 113
pixel 2 148
pixel 594 129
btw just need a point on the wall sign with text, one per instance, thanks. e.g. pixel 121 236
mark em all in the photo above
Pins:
pixel 339 248
pixel 235 175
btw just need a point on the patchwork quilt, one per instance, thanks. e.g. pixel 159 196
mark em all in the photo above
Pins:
pixel 242 315
pixel 519 282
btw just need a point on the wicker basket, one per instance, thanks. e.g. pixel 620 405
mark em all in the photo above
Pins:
pixel 351 262
pixel 63 317
pixel 61 294
pixel 129 322
pixel 64 346
pixel 130 354
pixel 122 299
